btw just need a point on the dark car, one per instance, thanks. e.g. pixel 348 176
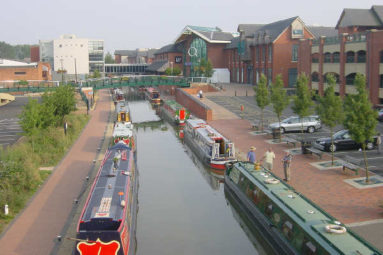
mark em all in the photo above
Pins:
pixel 380 115
pixel 342 141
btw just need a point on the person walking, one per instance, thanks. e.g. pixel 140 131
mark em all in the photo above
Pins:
pixel 269 159
pixel 378 143
pixel 200 94
pixel 251 155
pixel 286 165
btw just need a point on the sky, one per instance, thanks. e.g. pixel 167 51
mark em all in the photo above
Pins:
pixel 129 24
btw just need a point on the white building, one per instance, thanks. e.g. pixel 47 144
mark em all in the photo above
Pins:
pixel 74 55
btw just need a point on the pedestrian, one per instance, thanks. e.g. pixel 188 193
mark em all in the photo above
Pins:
pixel 286 165
pixel 200 94
pixel 378 143
pixel 269 159
pixel 251 155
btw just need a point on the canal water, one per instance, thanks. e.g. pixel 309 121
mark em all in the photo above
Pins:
pixel 182 205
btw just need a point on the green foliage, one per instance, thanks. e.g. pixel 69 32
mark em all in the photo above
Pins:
pixel 109 59
pixel 262 95
pixel 330 108
pixel 22 82
pixel 176 71
pixel 19 52
pixel 278 97
pixel 360 117
pixel 20 176
pixel 206 68
pixel 96 74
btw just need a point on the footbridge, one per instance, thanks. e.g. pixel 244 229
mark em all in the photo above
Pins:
pixel 133 81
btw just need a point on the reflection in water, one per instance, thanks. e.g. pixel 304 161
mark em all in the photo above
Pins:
pixel 142 112
pixel 178 212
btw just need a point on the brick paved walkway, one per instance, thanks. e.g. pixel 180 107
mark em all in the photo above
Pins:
pixel 34 231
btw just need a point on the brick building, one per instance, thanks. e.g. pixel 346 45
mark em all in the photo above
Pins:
pixel 14 70
pixel 357 48
pixel 137 56
pixel 268 49
pixel 167 57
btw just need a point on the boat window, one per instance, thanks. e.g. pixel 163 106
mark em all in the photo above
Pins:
pixel 309 248
pixel 287 229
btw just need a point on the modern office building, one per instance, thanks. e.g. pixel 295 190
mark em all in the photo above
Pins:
pixel 74 55
pixel 356 48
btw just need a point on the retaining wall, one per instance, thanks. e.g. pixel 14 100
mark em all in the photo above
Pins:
pixel 193 104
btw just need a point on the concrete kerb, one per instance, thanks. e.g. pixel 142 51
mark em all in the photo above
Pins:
pixel 66 246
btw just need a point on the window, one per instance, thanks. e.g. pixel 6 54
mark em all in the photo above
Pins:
pixel 20 73
pixel 269 75
pixel 295 52
pixel 361 56
pixel 309 248
pixel 381 56
pixel 381 81
pixel 335 57
pixel 270 52
pixel 350 57
pixel 350 79
pixel 264 53
pixel 293 73
pixel 327 57
pixel 287 229
pixel 269 210
pixel 315 77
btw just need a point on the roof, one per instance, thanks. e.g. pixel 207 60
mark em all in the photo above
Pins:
pixel 273 30
pixel 361 17
pixel 169 48
pixel 209 34
pixel 136 53
pixel 323 31
pixel 13 63
pixel 233 43
pixel 129 53
pixel 158 66
pixel 249 29
pixel 123 129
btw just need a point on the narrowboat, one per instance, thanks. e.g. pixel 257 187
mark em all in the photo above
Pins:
pixel 108 221
pixel 289 222
pixel 209 145
pixel 123 131
pixel 153 96
pixel 122 110
pixel 175 112
pixel 118 95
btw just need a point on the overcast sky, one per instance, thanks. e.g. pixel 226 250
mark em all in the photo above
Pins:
pixel 125 24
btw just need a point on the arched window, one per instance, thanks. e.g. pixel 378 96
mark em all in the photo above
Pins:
pixel 381 56
pixel 335 57
pixel 350 79
pixel 327 57
pixel 197 51
pixel 315 77
pixel 350 57
pixel 361 56
pixel 334 74
pixel 381 81
pixel 315 58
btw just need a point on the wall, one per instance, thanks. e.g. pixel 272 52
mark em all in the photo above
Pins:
pixel 216 55
pixel 35 53
pixel 70 50
pixel 31 73
pixel 193 104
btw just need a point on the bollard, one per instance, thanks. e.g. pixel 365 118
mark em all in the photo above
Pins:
pixel 235 93
pixel 246 92
pixel 6 211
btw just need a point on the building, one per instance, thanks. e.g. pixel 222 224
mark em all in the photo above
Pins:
pixel 169 56
pixel 137 56
pixel 356 48
pixel 268 49
pixel 74 55
pixel 15 71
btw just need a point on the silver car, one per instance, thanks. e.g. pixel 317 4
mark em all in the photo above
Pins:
pixel 294 123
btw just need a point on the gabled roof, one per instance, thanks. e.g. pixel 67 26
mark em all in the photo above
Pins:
pixel 273 30
pixel 249 29
pixel 209 34
pixel 323 31
pixel 361 17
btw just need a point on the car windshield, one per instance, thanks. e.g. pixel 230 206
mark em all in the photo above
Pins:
pixel 341 134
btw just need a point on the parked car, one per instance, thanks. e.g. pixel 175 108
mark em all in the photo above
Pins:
pixel 310 124
pixel 342 141
pixel 380 115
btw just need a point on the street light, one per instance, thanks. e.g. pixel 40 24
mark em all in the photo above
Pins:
pixel 171 65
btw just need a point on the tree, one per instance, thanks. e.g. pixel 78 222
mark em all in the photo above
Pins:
pixel 262 95
pixel 109 59
pixel 303 99
pixel 96 74
pixel 360 118
pixel 279 98
pixel 176 71
pixel 206 68
pixel 330 109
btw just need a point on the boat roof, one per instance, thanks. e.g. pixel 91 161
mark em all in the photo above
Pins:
pixel 173 104
pixel 308 215
pixel 209 134
pixel 123 129
pixel 122 106
pixel 111 186
pixel 152 90
pixel 196 123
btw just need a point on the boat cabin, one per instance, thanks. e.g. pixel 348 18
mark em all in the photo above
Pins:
pixel 122 110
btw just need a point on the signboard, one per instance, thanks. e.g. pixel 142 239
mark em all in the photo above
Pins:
pixel 178 59
pixel 188 63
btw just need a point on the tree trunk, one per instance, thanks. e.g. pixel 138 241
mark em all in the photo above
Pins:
pixel 301 130
pixel 261 120
pixel 279 121
pixel 365 163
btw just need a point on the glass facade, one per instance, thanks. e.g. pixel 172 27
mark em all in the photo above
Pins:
pixel 197 51
pixel 96 55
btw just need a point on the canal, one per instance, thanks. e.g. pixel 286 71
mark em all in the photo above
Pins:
pixel 182 204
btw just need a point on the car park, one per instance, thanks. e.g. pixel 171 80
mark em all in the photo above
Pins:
pixel 342 141
pixel 294 123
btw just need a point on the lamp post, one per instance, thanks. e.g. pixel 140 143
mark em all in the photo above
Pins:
pixel 171 65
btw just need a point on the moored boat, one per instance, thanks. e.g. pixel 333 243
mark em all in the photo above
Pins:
pixel 123 131
pixel 122 110
pixel 212 147
pixel 153 95
pixel 289 222
pixel 175 112
pixel 108 221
